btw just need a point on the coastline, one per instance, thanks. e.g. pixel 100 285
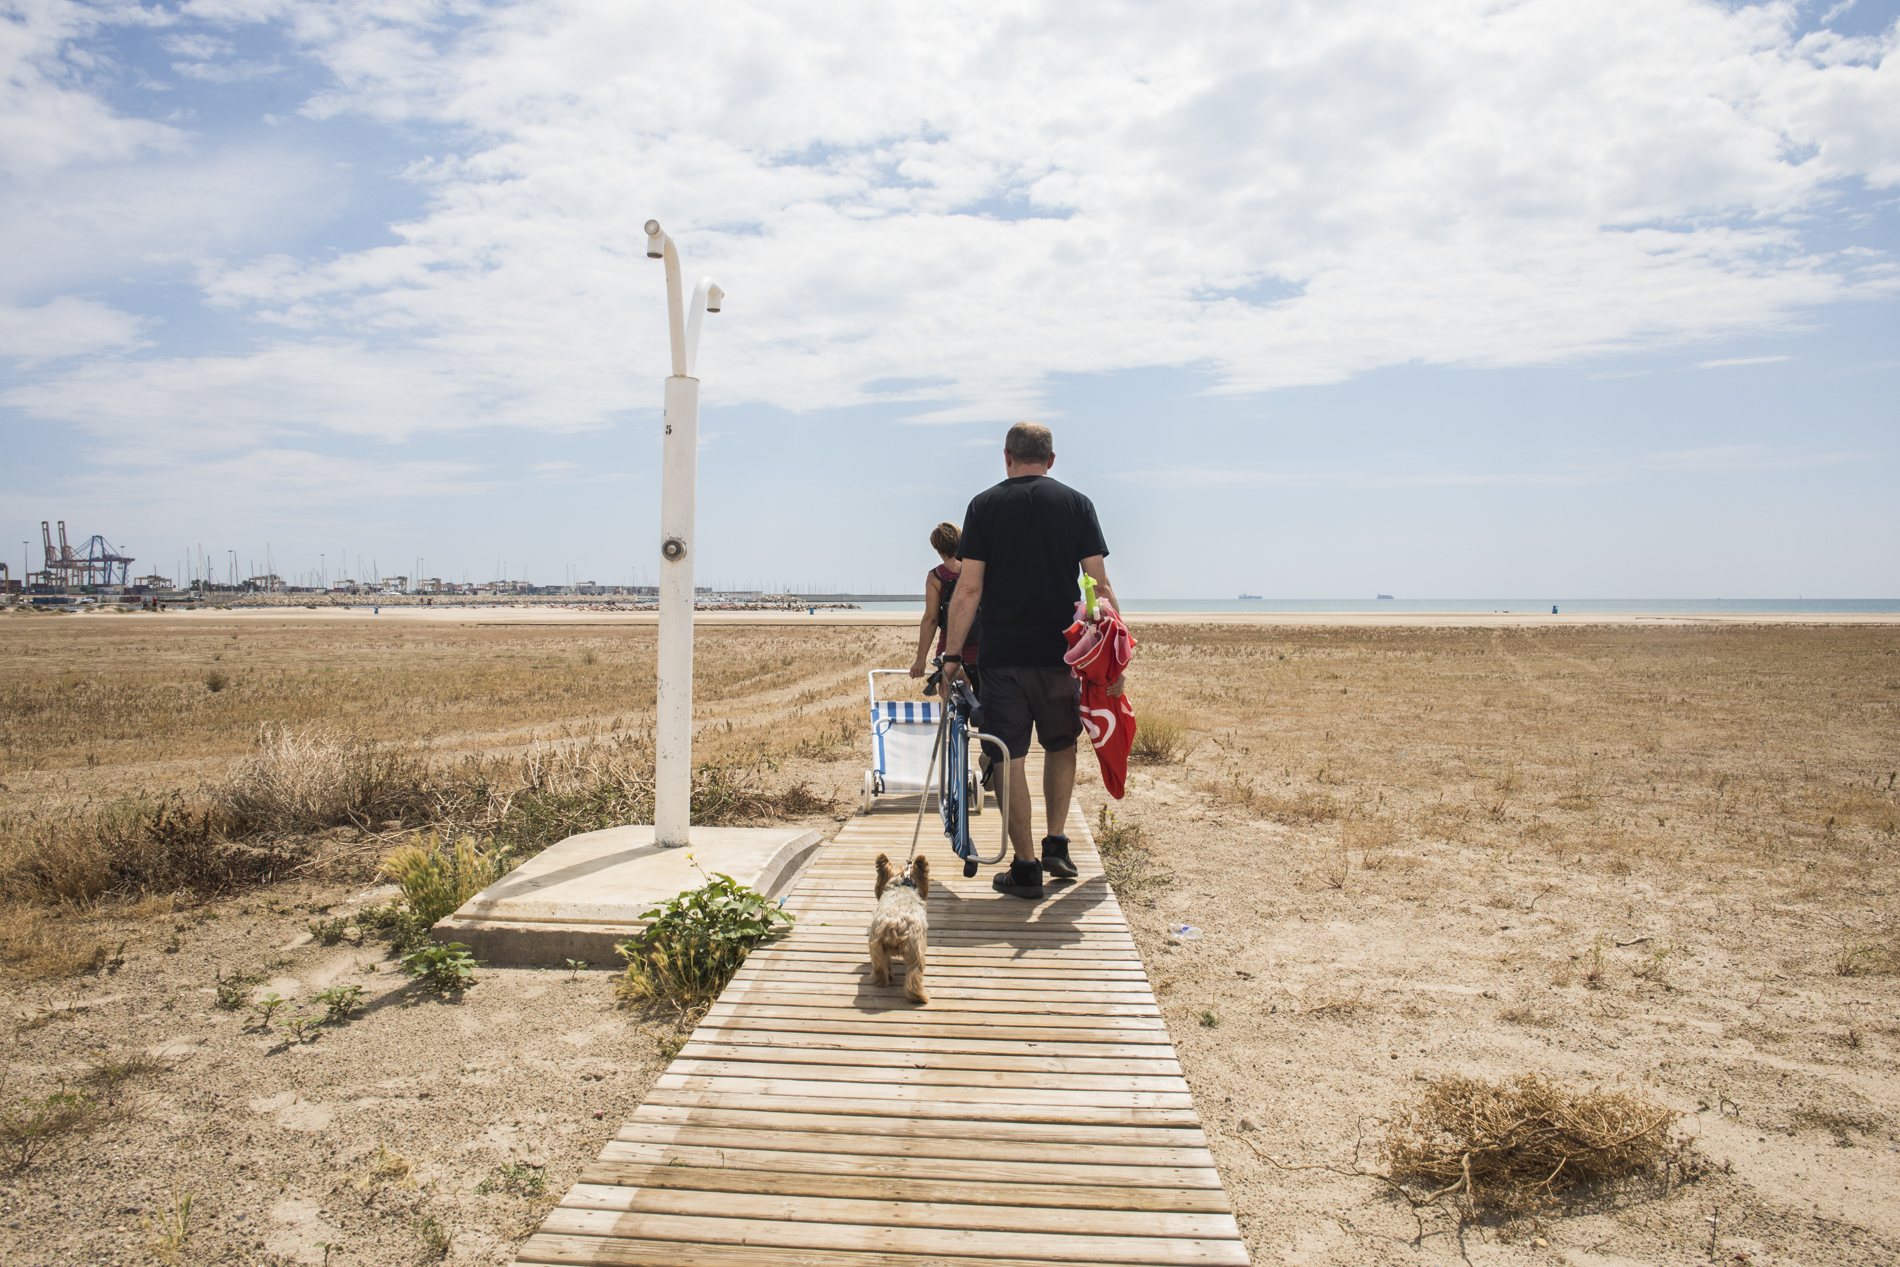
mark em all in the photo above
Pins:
pixel 570 615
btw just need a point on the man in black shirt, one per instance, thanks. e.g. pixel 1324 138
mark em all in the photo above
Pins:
pixel 1023 542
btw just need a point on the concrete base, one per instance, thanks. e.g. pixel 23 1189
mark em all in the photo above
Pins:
pixel 577 898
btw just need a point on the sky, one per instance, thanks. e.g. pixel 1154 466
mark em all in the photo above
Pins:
pixel 1434 298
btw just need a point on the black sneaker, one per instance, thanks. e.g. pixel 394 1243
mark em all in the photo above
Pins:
pixel 1023 879
pixel 1055 857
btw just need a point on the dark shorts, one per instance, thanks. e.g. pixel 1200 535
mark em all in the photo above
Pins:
pixel 1015 697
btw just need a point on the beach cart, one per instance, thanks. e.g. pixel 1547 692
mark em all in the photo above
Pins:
pixel 920 744
pixel 903 744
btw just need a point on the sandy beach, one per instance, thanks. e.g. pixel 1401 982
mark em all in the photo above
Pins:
pixel 1633 853
pixel 558 615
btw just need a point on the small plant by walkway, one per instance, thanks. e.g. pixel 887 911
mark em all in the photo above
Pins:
pixel 695 942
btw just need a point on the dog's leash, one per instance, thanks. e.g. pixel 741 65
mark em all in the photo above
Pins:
pixel 923 800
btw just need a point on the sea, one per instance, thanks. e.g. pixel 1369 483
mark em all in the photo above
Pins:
pixel 1513 606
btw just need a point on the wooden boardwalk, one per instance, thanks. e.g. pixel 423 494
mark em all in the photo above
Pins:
pixel 1033 1112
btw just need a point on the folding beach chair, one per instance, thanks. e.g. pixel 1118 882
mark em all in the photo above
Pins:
pixel 903 737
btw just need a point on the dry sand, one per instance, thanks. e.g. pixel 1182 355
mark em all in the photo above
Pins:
pixel 1406 843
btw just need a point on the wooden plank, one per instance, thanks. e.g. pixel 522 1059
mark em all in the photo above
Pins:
pixel 952 1012
pixel 983 1109
pixel 590 1251
pixel 698 1050
pixel 972 1032
pixel 999 972
pixel 895 1212
pixel 945 994
pixel 1003 1097
pixel 1147 1132
pixel 1065 1146
pixel 1028 976
pixel 972 958
pixel 826 1038
pixel 1013 1167
pixel 1025 936
pixel 1003 912
pixel 1150 1251
pixel 918 1073
pixel 887 1188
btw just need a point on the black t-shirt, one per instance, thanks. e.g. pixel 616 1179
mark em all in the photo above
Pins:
pixel 1031 534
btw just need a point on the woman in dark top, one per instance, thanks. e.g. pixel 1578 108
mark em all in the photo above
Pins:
pixel 939 585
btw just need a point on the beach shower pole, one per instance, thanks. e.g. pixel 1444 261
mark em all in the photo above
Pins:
pixel 679 473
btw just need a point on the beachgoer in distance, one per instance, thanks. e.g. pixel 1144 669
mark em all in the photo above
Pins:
pixel 940 584
pixel 1023 541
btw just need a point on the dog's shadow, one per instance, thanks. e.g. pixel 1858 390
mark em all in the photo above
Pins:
pixel 884 998
pixel 1050 924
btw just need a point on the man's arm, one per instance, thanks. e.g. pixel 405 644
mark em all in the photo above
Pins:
pixel 928 626
pixel 1098 572
pixel 963 605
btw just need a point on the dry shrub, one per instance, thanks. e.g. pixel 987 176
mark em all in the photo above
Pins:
pixel 1515 1144
pixel 1873 807
pixel 1525 1014
pixel 1126 862
pixel 1370 836
pixel 1304 807
pixel 145 845
pixel 560 790
pixel 801 799
pixel 1858 958
pixel 1337 1007
pixel 315 777
pixel 1334 865
pixel 1159 740
pixel 32 1126
pixel 1299 808
pixel 35 944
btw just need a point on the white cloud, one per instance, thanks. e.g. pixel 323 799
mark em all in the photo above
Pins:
pixel 88 223
pixel 273 480
pixel 213 404
pixel 52 119
pixel 1454 182
pixel 236 72
pixel 199 45
pixel 1583 472
pixel 1739 360
pixel 64 327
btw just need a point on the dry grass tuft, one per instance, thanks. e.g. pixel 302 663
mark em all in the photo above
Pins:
pixel 33 1126
pixel 36 943
pixel 1516 1144
pixel 1297 809
pixel 315 777
pixel 145 845
pixel 1126 861
pixel 1525 1014
pixel 436 880
pixel 1159 740
pixel 1860 958
pixel 1338 1007
pixel 1371 837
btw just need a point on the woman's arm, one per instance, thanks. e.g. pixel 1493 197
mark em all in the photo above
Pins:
pixel 933 587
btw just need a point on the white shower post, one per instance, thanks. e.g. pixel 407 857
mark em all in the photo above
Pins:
pixel 673 726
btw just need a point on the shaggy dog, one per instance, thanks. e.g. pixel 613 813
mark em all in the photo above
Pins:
pixel 900 926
